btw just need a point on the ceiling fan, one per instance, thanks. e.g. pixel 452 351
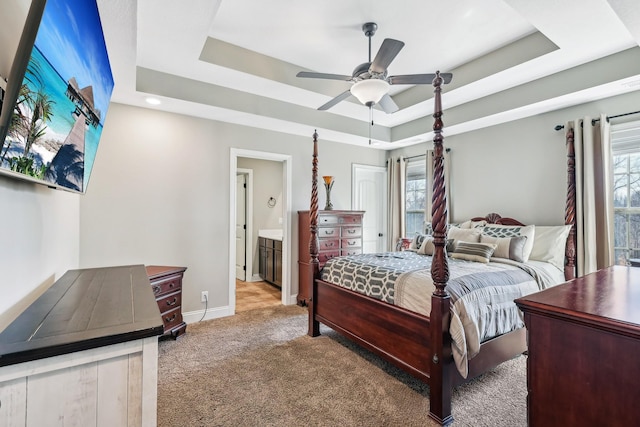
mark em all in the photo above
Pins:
pixel 370 80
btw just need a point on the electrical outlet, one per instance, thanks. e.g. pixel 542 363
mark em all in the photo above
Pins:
pixel 204 296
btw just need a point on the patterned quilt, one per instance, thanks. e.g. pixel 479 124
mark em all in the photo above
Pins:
pixel 482 295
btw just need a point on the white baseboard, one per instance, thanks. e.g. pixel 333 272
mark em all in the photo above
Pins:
pixel 211 313
pixel 218 312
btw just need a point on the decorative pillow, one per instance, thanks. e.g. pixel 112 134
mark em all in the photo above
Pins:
pixel 507 247
pixel 473 224
pixel 549 244
pixel 464 234
pixel 497 230
pixel 416 242
pixel 479 252
pixel 428 228
pixel 428 247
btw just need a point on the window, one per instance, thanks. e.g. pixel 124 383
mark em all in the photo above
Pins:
pixel 625 141
pixel 415 195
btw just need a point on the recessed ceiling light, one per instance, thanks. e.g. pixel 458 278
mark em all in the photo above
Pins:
pixel 152 101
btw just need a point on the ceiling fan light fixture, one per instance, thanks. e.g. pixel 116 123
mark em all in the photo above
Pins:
pixel 371 91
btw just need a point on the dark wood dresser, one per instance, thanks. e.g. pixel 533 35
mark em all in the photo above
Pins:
pixel 166 283
pixel 583 367
pixel 339 234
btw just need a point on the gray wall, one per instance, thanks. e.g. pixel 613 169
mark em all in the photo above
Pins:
pixel 159 193
pixel 517 169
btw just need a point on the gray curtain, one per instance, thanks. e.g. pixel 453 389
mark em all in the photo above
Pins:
pixel 396 191
pixel 594 199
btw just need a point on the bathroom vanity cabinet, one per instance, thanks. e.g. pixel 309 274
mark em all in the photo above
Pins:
pixel 270 262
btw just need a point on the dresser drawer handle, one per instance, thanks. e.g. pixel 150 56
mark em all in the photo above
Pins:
pixel 329 232
pixel 175 300
pixel 351 231
pixel 172 284
pixel 170 319
pixel 156 289
pixel 329 244
pixel 351 243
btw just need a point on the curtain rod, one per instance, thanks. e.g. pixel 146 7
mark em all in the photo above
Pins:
pixel 594 121
pixel 422 155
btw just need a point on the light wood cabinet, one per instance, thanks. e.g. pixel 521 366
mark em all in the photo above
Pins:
pixel 85 353
pixel 339 234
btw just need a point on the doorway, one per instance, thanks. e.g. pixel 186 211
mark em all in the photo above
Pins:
pixel 286 161
pixel 244 223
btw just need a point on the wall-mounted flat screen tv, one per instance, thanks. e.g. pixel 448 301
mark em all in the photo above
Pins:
pixel 57 94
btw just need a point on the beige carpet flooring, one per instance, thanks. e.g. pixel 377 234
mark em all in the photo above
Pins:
pixel 259 368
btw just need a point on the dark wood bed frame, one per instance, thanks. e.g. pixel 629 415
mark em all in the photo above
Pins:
pixel 418 344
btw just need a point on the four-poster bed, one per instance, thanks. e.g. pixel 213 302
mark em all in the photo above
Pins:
pixel 419 344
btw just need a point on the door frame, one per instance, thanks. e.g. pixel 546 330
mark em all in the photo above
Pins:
pixel 248 238
pixel 354 168
pixel 287 168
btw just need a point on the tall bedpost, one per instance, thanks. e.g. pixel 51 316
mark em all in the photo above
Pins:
pixel 570 209
pixel 441 357
pixel 314 325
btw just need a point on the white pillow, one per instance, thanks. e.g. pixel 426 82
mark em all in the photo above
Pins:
pixel 473 224
pixel 549 244
pixel 497 230
pixel 464 234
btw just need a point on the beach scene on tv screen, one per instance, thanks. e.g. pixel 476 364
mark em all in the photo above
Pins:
pixel 58 118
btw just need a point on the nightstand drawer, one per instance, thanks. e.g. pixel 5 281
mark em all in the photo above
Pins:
pixel 172 318
pixel 166 285
pixel 169 302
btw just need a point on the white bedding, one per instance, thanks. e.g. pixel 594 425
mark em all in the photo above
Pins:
pixel 481 313
pixel 482 294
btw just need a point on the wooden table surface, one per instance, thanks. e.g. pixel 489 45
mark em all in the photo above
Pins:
pixel 84 309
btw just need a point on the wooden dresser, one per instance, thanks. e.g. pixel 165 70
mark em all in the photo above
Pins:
pixel 339 234
pixel 584 344
pixel 166 283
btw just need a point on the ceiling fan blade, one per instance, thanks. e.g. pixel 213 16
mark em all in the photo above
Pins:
pixel 387 52
pixel 344 95
pixel 313 75
pixel 388 105
pixel 417 79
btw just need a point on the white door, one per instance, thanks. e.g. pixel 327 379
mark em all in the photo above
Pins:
pixel 370 195
pixel 241 227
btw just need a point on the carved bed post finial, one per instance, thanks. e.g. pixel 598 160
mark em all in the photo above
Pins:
pixel 440 381
pixel 439 266
pixel 570 209
pixel 314 247
pixel 313 209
